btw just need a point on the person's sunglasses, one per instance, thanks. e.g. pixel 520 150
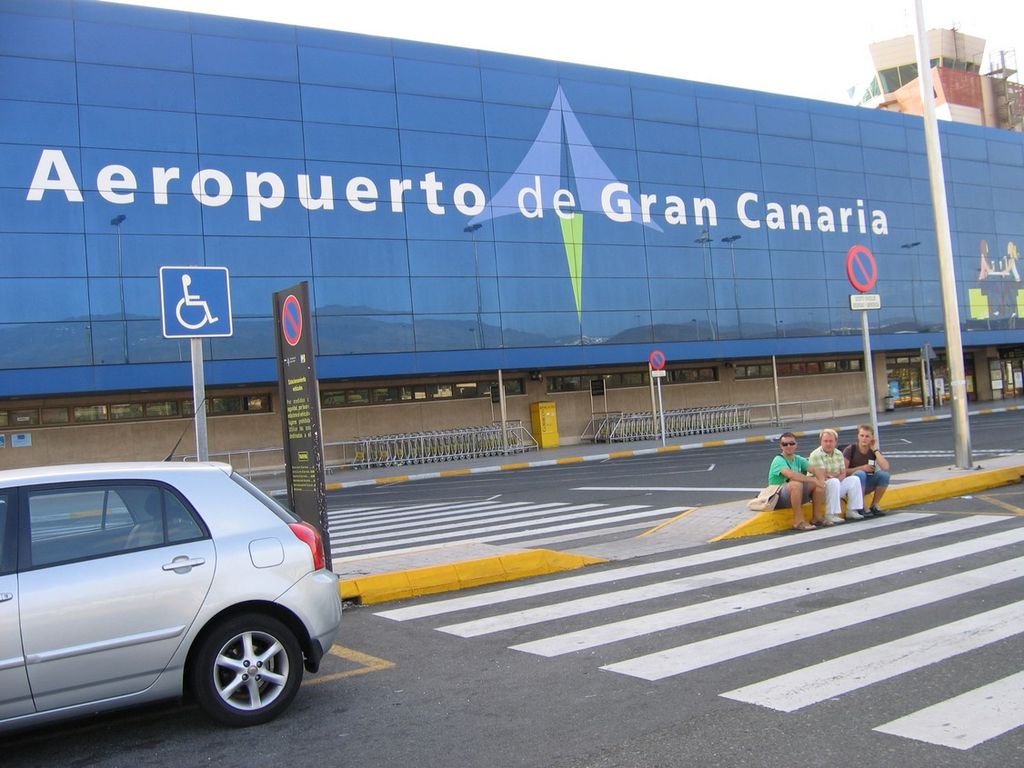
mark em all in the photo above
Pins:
pixel 789 442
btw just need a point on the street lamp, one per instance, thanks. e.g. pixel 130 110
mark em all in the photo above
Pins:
pixel 704 241
pixel 731 241
pixel 472 229
pixel 117 221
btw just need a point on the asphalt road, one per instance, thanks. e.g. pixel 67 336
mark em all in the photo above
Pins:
pixel 674 662
pixel 574 505
pixel 444 689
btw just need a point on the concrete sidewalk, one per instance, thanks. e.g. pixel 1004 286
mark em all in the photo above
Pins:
pixel 383 577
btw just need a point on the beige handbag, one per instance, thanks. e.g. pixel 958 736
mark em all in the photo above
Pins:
pixel 766 499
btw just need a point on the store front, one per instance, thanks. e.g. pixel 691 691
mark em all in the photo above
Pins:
pixel 1008 374
pixel 905 376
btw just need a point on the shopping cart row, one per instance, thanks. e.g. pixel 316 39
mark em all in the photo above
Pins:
pixel 443 445
pixel 625 427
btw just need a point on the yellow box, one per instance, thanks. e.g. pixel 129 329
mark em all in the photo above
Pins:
pixel 545 424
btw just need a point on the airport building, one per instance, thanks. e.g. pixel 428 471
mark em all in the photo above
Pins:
pixel 456 213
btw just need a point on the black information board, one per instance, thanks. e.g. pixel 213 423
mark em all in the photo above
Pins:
pixel 300 409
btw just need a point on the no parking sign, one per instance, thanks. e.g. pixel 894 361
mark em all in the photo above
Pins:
pixel 861 268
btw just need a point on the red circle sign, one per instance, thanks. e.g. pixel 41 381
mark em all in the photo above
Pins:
pixel 657 360
pixel 861 268
pixel 291 320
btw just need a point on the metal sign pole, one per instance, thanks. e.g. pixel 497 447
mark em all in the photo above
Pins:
pixel 928 367
pixel 650 380
pixel 869 371
pixel 504 414
pixel 778 406
pixel 947 277
pixel 199 399
pixel 661 412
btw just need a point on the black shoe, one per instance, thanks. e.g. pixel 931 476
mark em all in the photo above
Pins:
pixel 876 512
pixel 867 513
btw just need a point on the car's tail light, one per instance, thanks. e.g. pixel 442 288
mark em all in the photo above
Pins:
pixel 311 536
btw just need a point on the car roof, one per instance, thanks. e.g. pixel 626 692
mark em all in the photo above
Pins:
pixel 136 470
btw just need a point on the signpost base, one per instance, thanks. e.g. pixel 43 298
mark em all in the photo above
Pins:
pixel 199 399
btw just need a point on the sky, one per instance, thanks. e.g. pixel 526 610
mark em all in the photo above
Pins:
pixel 812 48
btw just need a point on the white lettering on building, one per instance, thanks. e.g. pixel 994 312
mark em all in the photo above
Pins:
pixel 266 191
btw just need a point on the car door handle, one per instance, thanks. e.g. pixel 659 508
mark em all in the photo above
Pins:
pixel 183 564
pixel 5 596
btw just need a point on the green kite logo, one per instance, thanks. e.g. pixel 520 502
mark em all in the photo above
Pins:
pixel 561 174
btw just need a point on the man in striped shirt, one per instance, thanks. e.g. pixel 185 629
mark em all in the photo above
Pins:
pixel 828 464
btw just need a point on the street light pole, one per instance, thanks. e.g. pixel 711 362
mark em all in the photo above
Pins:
pixel 117 221
pixel 704 241
pixel 947 277
pixel 472 230
pixel 731 240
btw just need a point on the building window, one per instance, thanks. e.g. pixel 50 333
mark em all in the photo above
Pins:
pixel 26 417
pixel 124 411
pixel 223 405
pixel 357 397
pixel 162 410
pixel 90 413
pixel 258 403
pixel 801 368
pixel 441 392
pixel 692 375
pixel 412 393
pixel 565 383
pixel 385 394
pixel 53 415
pixel 463 390
pixel 627 379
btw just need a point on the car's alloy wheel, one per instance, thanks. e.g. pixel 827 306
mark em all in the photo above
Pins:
pixel 247 670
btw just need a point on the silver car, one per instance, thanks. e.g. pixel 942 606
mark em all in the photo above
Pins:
pixel 131 582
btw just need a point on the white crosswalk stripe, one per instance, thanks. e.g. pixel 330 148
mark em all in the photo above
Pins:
pixel 703 653
pixel 906 549
pixel 677 617
pixel 966 720
pixel 911 453
pixel 509 594
pixel 824 681
pixel 378 530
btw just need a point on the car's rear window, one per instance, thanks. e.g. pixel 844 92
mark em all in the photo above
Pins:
pixel 282 512
pixel 6 537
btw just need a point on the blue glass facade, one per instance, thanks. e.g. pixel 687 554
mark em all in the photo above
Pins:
pixel 454 210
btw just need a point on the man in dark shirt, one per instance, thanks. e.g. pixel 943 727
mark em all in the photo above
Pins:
pixel 866 461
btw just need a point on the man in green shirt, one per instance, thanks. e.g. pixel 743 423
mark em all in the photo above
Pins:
pixel 789 469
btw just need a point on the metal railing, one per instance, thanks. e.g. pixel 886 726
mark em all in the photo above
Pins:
pixel 616 426
pixel 791 412
pixel 392 450
pixel 443 445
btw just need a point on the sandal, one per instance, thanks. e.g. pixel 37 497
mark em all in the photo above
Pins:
pixel 823 523
pixel 804 526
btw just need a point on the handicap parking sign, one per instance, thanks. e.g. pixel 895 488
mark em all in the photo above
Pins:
pixel 195 302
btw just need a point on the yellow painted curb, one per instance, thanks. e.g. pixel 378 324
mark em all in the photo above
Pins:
pixel 382 587
pixel 454 472
pixel 897 496
pixel 389 480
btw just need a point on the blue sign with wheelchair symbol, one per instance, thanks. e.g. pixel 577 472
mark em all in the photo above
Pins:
pixel 195 302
